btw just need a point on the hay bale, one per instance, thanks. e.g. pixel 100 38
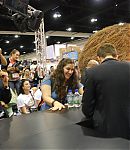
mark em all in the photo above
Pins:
pixel 118 35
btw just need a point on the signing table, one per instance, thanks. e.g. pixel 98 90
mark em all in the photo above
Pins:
pixel 53 130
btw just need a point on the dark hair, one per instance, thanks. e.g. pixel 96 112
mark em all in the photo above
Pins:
pixel 27 68
pixel 14 51
pixel 77 67
pixel 51 67
pixel 106 49
pixel 59 79
pixel 21 85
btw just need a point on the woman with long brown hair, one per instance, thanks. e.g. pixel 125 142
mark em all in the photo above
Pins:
pixel 54 88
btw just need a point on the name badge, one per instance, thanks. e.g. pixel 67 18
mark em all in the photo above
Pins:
pixel 15 75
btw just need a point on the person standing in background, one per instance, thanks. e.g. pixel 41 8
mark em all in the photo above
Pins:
pixel 51 70
pixel 91 63
pixel 13 70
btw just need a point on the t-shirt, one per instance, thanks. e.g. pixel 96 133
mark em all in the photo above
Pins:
pixel 38 95
pixel 47 81
pixel 13 75
pixel 24 100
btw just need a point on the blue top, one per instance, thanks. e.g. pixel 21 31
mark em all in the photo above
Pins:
pixel 47 81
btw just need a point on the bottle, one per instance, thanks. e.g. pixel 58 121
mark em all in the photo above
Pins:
pixel 70 98
pixel 76 98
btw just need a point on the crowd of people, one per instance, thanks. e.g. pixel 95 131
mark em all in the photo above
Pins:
pixel 12 75
pixel 105 89
pixel 32 91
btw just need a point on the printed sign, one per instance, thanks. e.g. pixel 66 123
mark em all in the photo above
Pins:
pixel 71 55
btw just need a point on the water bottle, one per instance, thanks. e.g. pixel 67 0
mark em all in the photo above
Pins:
pixel 77 98
pixel 70 98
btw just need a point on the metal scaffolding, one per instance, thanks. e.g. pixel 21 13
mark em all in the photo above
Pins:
pixel 40 43
pixel 40 39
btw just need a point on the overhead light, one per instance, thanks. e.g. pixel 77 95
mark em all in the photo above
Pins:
pixel 58 42
pixel 16 36
pixel 56 15
pixel 69 29
pixel 24 52
pixel 47 36
pixel 93 20
pixel 21 46
pixel 95 31
pixel 116 5
pixel 7 42
pixel 59 15
pixel 5 52
pixel 120 23
pixel 72 38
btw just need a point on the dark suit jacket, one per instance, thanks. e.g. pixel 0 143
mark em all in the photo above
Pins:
pixel 106 97
pixel 84 76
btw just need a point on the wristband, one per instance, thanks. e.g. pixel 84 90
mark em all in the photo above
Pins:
pixel 53 103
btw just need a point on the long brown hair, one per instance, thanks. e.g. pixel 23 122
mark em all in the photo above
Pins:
pixel 58 78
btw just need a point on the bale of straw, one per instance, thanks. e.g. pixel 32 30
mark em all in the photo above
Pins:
pixel 118 35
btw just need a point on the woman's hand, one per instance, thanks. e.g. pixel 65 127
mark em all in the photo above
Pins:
pixel 11 68
pixel 57 106
pixel 24 110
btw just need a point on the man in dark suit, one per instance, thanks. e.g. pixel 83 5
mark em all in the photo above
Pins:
pixel 106 98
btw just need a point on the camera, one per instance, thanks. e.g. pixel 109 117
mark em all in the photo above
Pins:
pixel 16 64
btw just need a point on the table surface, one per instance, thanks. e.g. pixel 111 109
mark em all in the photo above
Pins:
pixel 53 130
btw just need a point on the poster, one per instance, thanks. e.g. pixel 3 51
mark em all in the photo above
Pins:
pixel 71 55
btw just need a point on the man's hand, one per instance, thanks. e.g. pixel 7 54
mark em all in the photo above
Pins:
pixel 5 78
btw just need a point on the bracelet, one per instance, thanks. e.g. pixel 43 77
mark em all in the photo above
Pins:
pixel 53 103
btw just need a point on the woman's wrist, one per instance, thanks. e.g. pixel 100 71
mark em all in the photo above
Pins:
pixel 52 104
